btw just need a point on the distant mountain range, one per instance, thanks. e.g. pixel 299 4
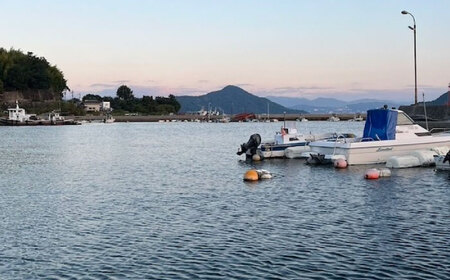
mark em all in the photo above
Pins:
pixel 232 100
pixel 331 105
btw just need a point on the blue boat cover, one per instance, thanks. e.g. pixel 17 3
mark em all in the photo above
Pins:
pixel 380 124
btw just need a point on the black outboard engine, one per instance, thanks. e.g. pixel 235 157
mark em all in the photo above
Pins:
pixel 316 159
pixel 447 157
pixel 250 147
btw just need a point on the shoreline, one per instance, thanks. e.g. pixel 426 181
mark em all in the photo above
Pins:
pixel 189 117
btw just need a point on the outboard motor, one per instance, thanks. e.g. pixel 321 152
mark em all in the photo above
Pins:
pixel 316 159
pixel 447 157
pixel 250 147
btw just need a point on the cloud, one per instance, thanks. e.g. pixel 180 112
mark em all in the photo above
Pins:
pixel 289 91
pixel 110 84
pixel 244 85
pixel 122 82
pixel 302 88
pixel 140 90
pixel 97 85
pixel 312 92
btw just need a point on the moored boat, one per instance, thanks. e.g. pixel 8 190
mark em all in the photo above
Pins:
pixel 18 117
pixel 109 119
pixel 288 137
pixel 387 133
pixel 334 118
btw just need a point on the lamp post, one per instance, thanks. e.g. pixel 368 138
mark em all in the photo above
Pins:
pixel 415 57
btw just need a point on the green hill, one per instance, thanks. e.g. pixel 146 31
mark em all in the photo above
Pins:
pixel 232 100
pixel 30 75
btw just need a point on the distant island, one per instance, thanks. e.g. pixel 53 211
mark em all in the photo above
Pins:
pixel 232 100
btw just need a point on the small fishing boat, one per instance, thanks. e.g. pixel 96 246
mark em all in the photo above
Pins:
pixel 387 133
pixel 288 137
pixel 357 118
pixel 109 119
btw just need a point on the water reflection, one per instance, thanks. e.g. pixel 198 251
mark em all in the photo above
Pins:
pixel 168 201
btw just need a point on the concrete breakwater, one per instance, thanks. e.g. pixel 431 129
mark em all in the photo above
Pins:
pixel 189 117
pixel 438 116
pixel 433 112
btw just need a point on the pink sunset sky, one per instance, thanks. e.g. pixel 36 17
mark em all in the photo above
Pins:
pixel 342 49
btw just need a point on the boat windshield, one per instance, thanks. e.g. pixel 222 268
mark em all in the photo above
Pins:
pixel 403 119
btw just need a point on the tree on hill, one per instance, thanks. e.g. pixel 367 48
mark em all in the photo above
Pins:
pixel 92 97
pixel 19 71
pixel 125 93
pixel 126 102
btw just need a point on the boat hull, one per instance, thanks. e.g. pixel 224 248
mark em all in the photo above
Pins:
pixel 375 152
pixel 6 122
pixel 277 150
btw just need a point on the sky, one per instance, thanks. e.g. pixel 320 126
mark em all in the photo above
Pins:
pixel 322 48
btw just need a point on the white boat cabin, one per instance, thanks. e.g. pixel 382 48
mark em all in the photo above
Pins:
pixel 287 135
pixel 18 114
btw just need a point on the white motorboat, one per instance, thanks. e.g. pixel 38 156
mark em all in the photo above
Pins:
pixel 334 118
pixel 109 119
pixel 357 118
pixel 387 133
pixel 286 138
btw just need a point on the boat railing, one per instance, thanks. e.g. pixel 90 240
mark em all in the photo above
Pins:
pixel 366 139
pixel 338 136
pixel 439 129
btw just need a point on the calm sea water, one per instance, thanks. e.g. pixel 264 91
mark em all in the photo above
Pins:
pixel 167 201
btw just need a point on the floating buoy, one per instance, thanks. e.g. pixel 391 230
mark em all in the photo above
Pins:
pixel 340 163
pixel 264 174
pixel 372 174
pixel 296 152
pixel 256 157
pixel 402 162
pixel 251 175
pixel 385 172
pixel 255 175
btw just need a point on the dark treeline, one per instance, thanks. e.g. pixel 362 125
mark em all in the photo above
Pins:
pixel 147 105
pixel 19 71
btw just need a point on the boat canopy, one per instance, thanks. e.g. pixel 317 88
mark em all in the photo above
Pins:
pixel 380 124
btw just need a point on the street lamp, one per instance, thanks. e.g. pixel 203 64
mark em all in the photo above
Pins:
pixel 415 57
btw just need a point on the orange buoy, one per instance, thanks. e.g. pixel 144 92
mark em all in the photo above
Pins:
pixel 340 163
pixel 251 175
pixel 372 174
